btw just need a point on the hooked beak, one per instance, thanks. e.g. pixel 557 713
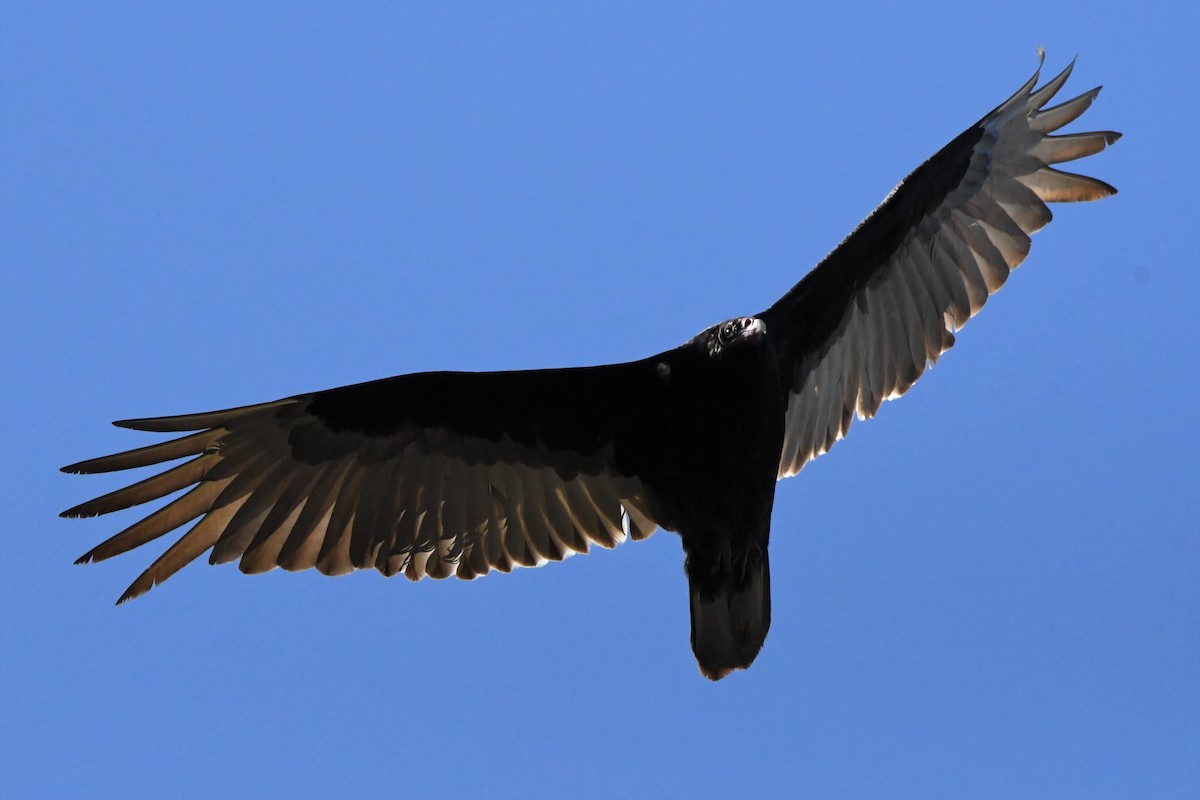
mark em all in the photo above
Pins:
pixel 755 329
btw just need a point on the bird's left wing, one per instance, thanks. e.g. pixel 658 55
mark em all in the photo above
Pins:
pixel 433 474
pixel 864 324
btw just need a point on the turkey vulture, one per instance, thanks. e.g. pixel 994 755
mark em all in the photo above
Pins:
pixel 454 473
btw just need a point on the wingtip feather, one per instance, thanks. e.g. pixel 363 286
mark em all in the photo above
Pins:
pixel 144 583
pixel 205 419
pixel 1039 98
pixel 133 592
pixel 78 512
pixel 133 424
pixel 153 425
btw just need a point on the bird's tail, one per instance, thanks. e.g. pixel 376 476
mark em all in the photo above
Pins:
pixel 731 612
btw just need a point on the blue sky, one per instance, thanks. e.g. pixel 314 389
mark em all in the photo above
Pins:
pixel 991 590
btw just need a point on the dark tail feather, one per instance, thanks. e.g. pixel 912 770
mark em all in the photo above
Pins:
pixel 730 616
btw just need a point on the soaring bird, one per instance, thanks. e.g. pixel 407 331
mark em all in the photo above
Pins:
pixel 460 473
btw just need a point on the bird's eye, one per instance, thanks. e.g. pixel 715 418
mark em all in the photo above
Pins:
pixel 728 332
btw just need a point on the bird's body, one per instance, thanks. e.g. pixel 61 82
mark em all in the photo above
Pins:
pixel 456 474
pixel 723 422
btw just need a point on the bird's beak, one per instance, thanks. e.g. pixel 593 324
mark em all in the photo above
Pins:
pixel 756 330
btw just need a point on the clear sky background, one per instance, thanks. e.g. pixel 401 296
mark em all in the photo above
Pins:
pixel 991 590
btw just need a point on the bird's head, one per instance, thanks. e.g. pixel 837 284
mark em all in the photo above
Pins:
pixel 732 335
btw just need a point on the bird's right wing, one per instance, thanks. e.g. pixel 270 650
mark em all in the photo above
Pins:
pixel 434 474
pixel 864 324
